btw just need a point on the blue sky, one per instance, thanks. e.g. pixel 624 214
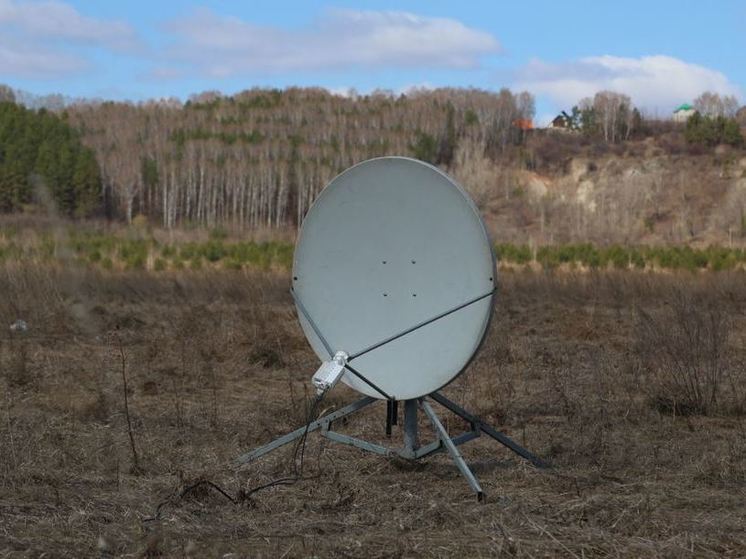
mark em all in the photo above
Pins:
pixel 661 53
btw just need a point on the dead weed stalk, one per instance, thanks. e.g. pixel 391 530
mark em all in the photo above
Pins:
pixel 123 359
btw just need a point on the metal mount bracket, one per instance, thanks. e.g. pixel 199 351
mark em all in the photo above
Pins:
pixel 411 449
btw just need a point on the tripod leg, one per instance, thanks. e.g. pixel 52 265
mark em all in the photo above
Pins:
pixel 452 450
pixel 411 437
pixel 495 434
pixel 290 437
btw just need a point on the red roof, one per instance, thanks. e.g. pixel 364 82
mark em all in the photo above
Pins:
pixel 523 124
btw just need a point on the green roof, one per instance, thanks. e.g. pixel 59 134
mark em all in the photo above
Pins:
pixel 684 107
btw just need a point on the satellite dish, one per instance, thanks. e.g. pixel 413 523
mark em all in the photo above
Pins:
pixel 394 280
pixel 389 244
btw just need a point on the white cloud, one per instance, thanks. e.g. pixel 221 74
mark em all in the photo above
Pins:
pixel 225 46
pixel 655 83
pixel 36 36
pixel 51 19
pixel 30 62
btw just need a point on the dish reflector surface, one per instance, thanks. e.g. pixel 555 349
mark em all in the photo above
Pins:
pixel 390 243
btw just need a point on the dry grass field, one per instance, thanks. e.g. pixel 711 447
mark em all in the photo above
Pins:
pixel 632 384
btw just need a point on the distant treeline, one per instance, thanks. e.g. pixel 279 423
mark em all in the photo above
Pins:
pixel 42 160
pixel 259 158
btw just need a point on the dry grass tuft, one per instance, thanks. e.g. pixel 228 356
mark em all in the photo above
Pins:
pixel 683 350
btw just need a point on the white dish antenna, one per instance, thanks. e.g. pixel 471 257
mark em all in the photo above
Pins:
pixel 390 245
pixel 394 280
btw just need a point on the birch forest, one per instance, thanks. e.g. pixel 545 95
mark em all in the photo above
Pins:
pixel 258 159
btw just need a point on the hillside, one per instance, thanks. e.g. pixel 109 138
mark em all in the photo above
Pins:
pixel 258 159
pixel 645 198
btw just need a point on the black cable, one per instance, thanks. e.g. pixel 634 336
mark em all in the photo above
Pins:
pixel 300 446
pixel 186 491
pixel 242 495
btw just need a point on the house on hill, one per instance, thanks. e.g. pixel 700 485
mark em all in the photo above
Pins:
pixel 562 121
pixel 683 112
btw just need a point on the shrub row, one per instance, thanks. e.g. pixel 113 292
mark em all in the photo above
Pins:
pixel 111 251
pixel 713 258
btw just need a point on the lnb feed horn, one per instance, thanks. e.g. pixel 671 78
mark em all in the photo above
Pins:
pixel 329 373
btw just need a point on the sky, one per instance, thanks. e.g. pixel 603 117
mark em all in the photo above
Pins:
pixel 660 53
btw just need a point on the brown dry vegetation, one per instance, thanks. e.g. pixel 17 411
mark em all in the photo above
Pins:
pixel 594 372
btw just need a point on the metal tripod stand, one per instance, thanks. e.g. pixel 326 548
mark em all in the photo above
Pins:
pixel 411 449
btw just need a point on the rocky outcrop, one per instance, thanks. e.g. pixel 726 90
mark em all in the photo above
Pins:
pixel 697 200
